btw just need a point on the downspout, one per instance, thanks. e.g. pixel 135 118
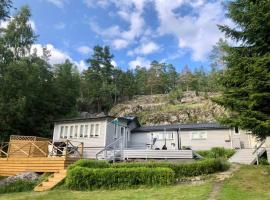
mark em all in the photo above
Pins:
pixel 178 139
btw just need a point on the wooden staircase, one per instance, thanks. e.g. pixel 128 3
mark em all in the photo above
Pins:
pixel 246 156
pixel 52 181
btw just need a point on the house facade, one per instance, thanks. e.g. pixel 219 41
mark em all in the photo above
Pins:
pixel 107 133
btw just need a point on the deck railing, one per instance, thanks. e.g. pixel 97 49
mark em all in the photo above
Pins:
pixel 28 148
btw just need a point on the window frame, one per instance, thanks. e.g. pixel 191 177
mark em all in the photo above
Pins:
pixel 200 133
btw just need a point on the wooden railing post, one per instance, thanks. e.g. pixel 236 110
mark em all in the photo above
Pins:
pixel 82 145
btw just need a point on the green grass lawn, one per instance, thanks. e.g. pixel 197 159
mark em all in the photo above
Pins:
pixel 183 192
pixel 250 183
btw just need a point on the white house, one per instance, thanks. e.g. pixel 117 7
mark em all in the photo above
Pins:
pixel 108 137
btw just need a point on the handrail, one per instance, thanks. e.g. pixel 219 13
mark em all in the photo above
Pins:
pixel 109 145
pixel 258 147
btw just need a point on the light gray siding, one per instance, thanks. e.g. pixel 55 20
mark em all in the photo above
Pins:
pixel 144 140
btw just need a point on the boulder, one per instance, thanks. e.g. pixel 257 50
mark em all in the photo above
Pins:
pixel 28 176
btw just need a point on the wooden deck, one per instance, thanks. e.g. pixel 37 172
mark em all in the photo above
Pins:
pixel 34 154
pixel 13 166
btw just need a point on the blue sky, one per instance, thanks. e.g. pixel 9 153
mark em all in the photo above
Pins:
pixel 138 31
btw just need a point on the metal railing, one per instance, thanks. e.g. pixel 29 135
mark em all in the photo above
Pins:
pixel 115 147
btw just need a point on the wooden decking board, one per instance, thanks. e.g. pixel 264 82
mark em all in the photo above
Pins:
pixel 12 166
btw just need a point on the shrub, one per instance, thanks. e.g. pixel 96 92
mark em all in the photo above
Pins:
pixel 18 186
pixel 217 152
pixel 205 166
pixel 90 164
pixel 263 161
pixel 81 178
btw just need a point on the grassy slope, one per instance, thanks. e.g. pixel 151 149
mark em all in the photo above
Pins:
pixel 250 183
pixel 183 192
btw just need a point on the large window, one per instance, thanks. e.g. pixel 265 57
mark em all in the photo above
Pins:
pixel 71 132
pixel 202 135
pixel 76 132
pixel 66 132
pixel 62 132
pixel 86 131
pixel 97 130
pixel 92 127
pixel 81 131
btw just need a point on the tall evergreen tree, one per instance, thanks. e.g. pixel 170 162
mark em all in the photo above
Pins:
pixel 246 80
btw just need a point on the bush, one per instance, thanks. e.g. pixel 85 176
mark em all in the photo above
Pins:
pixel 217 152
pixel 263 161
pixel 81 178
pixel 18 186
pixel 181 170
pixel 90 164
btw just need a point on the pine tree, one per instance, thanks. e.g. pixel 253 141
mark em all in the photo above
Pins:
pixel 246 79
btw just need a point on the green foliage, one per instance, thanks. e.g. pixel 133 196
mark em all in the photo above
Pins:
pixel 90 164
pixel 18 186
pixel 245 81
pixel 176 95
pixel 263 161
pixel 217 152
pixel 81 178
pixel 205 166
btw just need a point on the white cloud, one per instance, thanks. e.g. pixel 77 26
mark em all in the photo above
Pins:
pixel 57 56
pixel 94 3
pixel 197 30
pixel 139 61
pixel 120 43
pixel 145 49
pixel 84 50
pixel 113 62
pixel 60 25
pixel 131 12
pixel 58 3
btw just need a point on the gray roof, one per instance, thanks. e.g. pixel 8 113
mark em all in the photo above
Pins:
pixel 175 127
pixel 90 118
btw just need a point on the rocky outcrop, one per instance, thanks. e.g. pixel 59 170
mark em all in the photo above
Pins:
pixel 27 176
pixel 159 109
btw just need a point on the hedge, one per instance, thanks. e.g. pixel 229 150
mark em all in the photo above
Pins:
pixel 217 152
pixel 205 166
pixel 90 164
pixel 18 186
pixel 82 178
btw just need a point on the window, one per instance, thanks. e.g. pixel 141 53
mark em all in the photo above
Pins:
pixel 86 131
pixel 66 132
pixel 71 132
pixel 169 136
pixel 76 132
pixel 92 130
pixel 97 130
pixel 198 136
pixel 62 132
pixel 81 131
pixel 236 130
pixel 122 131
